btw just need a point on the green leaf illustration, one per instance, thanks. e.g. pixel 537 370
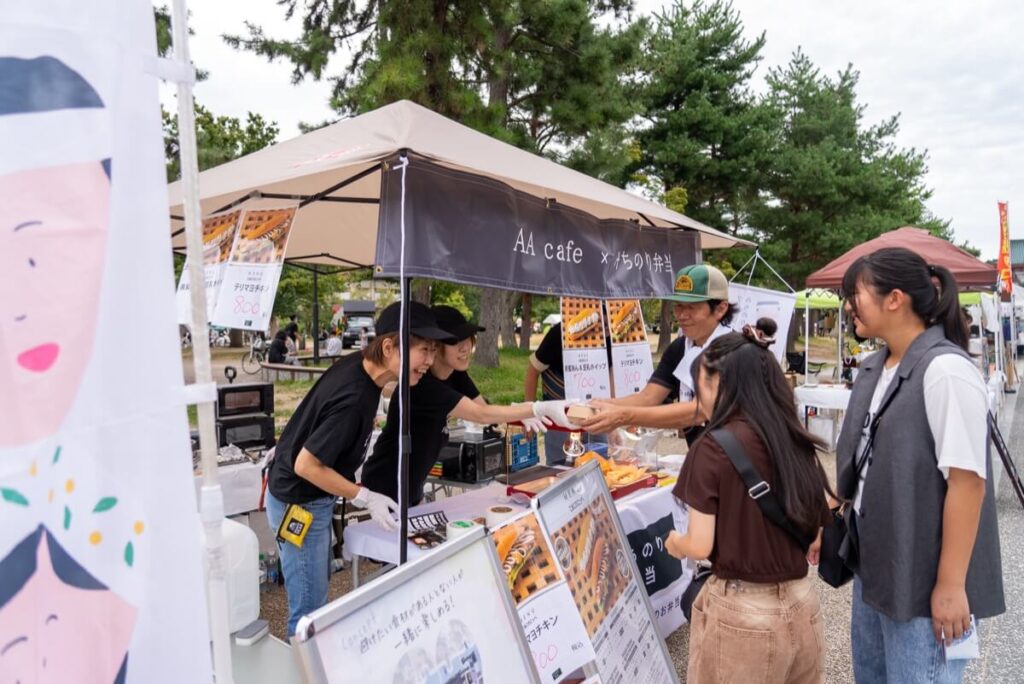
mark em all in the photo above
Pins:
pixel 129 554
pixel 56 455
pixel 13 496
pixel 104 504
pixel 67 517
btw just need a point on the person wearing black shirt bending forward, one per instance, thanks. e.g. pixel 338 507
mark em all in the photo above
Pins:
pixel 324 443
pixel 446 390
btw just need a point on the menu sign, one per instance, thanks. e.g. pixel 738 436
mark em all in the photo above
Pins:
pixel 444 617
pixel 554 632
pixel 219 233
pixel 597 561
pixel 584 351
pixel 631 352
pixel 246 297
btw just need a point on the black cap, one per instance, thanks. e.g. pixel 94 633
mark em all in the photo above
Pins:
pixel 421 322
pixel 451 320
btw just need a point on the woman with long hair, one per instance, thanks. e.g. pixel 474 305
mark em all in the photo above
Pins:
pixel 913 458
pixel 757 618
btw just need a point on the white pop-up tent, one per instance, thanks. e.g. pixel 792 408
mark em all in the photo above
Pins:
pixel 336 172
pixel 410 193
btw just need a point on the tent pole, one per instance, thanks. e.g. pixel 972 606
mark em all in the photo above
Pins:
pixel 839 349
pixel 406 441
pixel 807 336
pixel 316 318
pixel 211 499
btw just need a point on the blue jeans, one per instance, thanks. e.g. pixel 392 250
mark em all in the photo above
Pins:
pixel 885 650
pixel 306 569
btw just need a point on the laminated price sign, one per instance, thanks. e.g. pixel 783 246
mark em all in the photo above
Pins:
pixel 584 351
pixel 219 233
pixel 246 296
pixel 631 352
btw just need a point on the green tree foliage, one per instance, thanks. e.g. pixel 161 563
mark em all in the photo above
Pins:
pixel 219 138
pixel 704 132
pixel 833 181
pixel 536 73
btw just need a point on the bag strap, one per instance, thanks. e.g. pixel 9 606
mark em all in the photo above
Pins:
pixel 860 462
pixel 759 490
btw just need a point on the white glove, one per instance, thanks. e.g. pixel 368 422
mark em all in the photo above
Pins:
pixel 531 424
pixel 382 509
pixel 553 412
pixel 534 425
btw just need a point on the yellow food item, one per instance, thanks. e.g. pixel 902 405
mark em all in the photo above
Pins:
pixel 585 541
pixel 605 464
pixel 624 319
pixel 578 325
pixel 505 538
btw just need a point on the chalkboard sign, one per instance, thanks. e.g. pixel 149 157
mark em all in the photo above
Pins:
pixel 445 617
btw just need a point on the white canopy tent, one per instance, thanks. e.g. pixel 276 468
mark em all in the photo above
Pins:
pixel 336 173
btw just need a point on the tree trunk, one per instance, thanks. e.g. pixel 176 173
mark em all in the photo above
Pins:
pixel 421 290
pixel 492 311
pixel 508 320
pixel 665 335
pixel 235 336
pixel 527 329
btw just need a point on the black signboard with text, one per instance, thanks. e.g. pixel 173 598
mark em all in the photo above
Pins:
pixel 470 229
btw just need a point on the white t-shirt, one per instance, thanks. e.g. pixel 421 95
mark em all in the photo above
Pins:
pixel 956 404
pixel 682 372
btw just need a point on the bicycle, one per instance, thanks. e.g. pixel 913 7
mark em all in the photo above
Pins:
pixel 253 359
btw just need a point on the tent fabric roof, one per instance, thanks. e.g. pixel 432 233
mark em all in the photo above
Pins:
pixel 323 158
pixel 969 271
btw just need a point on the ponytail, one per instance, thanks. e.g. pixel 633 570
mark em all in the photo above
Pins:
pixel 948 313
pixel 897 268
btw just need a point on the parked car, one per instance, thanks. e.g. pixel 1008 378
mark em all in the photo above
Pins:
pixel 356 323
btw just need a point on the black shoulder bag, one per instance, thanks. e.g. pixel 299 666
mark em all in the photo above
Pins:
pixel 761 492
pixel 840 546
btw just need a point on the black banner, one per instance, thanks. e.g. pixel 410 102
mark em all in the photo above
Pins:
pixel 470 229
pixel 657 566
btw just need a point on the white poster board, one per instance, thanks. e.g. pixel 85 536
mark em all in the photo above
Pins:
pixel 551 624
pixel 632 364
pixel 100 559
pixel 246 296
pixel 590 546
pixel 757 302
pixel 444 617
pixel 584 349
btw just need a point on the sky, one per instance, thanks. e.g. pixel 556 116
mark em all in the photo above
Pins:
pixel 953 71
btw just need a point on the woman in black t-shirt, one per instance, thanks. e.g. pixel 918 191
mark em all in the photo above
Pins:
pixel 447 390
pixel 757 618
pixel 323 444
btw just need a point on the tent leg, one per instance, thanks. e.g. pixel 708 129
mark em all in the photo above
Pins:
pixel 316 318
pixel 406 442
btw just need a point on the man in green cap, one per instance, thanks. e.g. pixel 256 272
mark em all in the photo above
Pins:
pixel 703 312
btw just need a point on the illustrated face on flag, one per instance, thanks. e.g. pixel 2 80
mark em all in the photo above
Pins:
pixel 48 625
pixel 53 235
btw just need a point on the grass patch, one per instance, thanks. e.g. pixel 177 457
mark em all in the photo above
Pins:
pixel 504 384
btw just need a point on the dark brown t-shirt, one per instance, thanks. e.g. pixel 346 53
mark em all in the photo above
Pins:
pixel 748 546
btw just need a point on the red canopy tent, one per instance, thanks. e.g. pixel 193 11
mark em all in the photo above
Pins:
pixel 969 271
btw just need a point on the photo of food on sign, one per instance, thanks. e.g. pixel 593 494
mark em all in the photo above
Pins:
pixel 588 551
pixel 525 557
pixel 456 660
pixel 218 236
pixel 264 236
pixel 625 321
pixel 582 326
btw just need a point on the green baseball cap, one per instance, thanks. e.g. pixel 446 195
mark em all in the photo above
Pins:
pixel 700 283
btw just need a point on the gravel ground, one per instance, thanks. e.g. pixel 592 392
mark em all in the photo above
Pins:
pixel 1002 653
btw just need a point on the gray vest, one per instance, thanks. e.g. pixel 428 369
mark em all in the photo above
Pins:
pixel 904 492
